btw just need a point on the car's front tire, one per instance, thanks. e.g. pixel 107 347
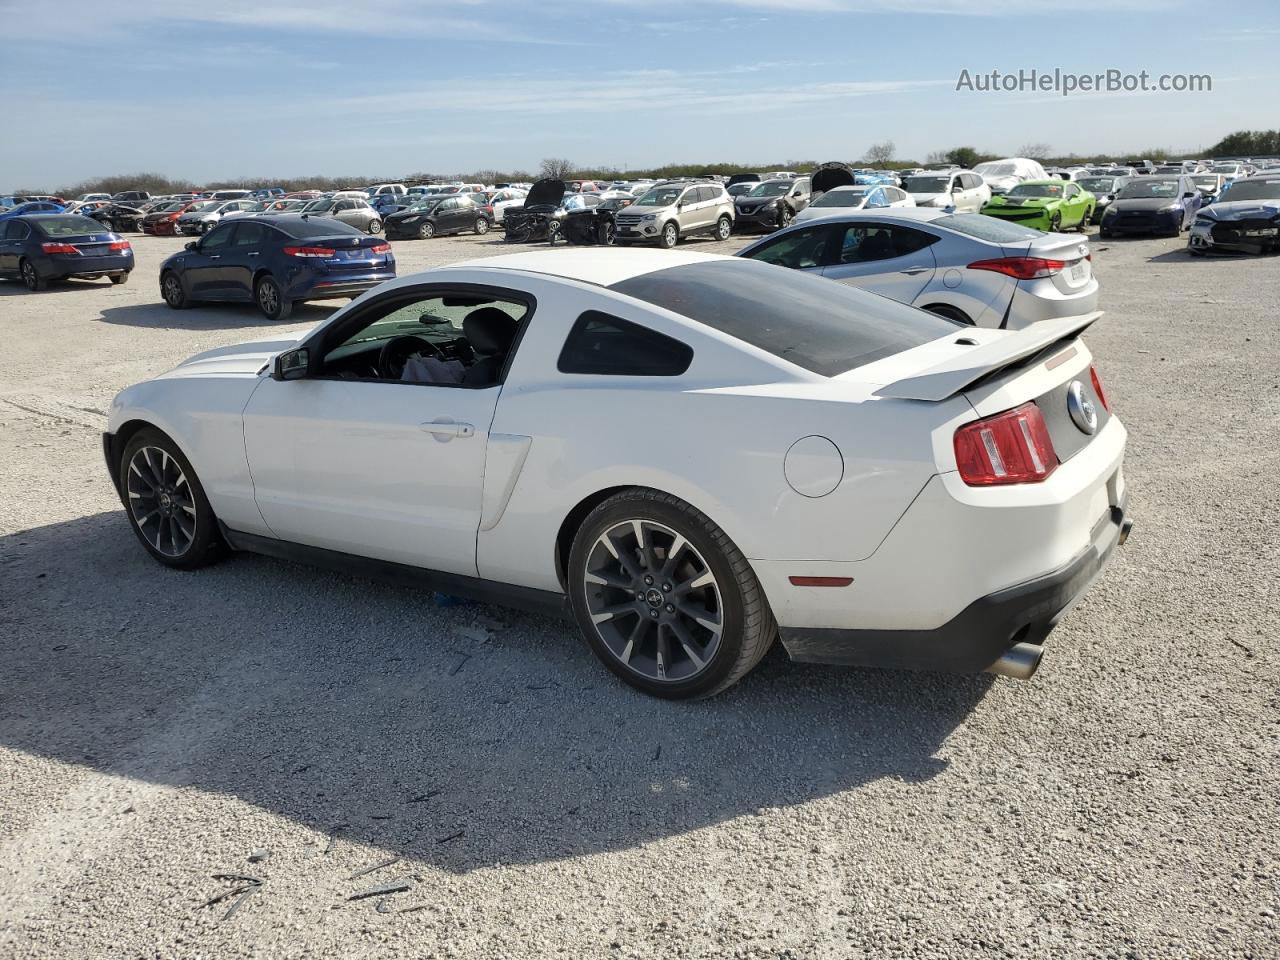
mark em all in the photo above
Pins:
pixel 426 231
pixel 270 298
pixel 171 291
pixel 669 237
pixel 724 227
pixel 664 598
pixel 166 505
pixel 375 225
pixel 1055 222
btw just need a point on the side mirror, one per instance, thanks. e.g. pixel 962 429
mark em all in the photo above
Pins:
pixel 192 245
pixel 291 365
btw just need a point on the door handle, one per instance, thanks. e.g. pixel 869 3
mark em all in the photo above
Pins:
pixel 445 429
pixel 252 253
pixel 215 256
pixel 912 271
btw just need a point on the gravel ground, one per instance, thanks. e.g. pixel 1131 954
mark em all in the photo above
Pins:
pixel 262 719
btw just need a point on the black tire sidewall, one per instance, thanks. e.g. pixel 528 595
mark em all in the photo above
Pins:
pixel 624 507
pixel 207 545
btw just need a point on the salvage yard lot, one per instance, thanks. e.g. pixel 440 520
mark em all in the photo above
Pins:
pixel 158 728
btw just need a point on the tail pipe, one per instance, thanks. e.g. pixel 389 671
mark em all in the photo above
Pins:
pixel 1020 661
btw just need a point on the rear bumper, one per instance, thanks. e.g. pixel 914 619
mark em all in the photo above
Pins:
pixel 977 636
pixel 333 288
pixel 83 266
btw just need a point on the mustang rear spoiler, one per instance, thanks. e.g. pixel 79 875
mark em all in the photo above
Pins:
pixel 951 376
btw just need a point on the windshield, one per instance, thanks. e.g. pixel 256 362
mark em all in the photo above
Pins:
pixel 1205 181
pixel 842 197
pixel 319 206
pixel 1037 190
pixel 1225 168
pixel 1254 190
pixel 1098 184
pixel 421 206
pixel 660 197
pixel 776 189
pixel 928 184
pixel 204 205
pixel 826 328
pixel 1148 188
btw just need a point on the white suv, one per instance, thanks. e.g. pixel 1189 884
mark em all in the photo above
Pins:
pixel 961 190
pixel 669 211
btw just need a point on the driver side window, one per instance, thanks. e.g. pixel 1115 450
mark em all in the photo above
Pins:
pixel 799 250
pixel 441 338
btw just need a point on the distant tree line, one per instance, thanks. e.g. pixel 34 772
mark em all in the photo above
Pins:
pixel 879 155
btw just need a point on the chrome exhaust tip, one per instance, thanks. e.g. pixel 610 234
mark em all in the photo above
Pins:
pixel 1019 662
pixel 1125 529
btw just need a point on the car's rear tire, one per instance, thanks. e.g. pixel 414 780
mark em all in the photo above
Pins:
pixel 270 298
pixel 375 225
pixel 426 231
pixel 31 278
pixel 664 598
pixel 482 226
pixel 165 503
pixel 724 227
pixel 119 278
pixel 171 291
pixel 669 236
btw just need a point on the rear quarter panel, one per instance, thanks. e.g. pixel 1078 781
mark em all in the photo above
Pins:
pixel 716 437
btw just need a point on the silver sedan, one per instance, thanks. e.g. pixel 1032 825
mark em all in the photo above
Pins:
pixel 965 266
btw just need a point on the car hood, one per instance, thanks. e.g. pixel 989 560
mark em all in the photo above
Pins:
pixel 1031 202
pixel 1147 204
pixel 240 359
pixel 753 201
pixel 1243 209
pixel 548 192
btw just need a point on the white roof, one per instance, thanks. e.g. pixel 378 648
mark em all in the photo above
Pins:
pixel 603 266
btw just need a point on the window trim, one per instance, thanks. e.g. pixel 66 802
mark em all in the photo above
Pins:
pixel 587 316
pixel 328 337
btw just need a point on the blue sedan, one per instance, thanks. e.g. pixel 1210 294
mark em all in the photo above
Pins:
pixel 38 206
pixel 37 248
pixel 276 262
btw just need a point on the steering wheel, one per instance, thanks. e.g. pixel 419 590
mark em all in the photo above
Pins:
pixel 396 351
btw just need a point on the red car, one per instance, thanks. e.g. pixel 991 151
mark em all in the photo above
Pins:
pixel 163 220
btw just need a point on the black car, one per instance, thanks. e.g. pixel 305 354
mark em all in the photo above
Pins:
pixel 120 217
pixel 594 224
pixel 275 262
pixel 540 214
pixel 437 216
pixel 41 247
pixel 771 204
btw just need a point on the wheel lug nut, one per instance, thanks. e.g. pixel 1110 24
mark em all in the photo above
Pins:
pixel 670 608
pixel 640 595
pixel 666 587
pixel 654 614
pixel 648 581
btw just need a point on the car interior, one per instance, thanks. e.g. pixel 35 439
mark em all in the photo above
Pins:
pixel 446 339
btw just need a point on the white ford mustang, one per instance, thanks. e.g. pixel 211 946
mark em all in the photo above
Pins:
pixel 693 454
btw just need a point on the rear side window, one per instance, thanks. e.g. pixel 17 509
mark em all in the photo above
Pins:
pixel 610 346
pixel 827 328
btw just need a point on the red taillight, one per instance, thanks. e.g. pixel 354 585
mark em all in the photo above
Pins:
pixel 1011 447
pixel 324 252
pixel 380 248
pixel 1021 268
pixel 59 248
pixel 118 245
pixel 1097 388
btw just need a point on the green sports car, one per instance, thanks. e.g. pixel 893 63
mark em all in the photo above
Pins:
pixel 1051 205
